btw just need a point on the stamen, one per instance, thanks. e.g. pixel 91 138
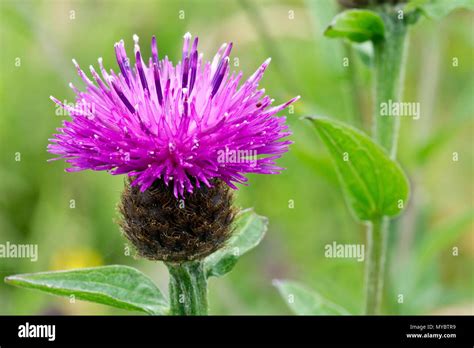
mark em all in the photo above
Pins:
pixel 154 50
pixel 122 61
pixel 185 72
pixel 228 49
pixel 140 70
pixel 185 102
pixel 135 40
pixel 156 74
pixel 187 38
pixel 98 80
pixel 219 76
pixel 185 60
pixel 122 97
pixel 82 74
pixel 194 61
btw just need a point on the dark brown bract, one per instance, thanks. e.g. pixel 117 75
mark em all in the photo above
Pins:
pixel 162 227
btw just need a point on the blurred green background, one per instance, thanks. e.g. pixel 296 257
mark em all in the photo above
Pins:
pixel 35 196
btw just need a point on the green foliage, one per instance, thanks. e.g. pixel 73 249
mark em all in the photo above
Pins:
pixel 34 204
pixel 127 288
pixel 437 9
pixel 365 51
pixel 443 239
pixel 250 229
pixel 374 185
pixel 436 141
pixel 303 301
pixel 357 26
pixel 117 286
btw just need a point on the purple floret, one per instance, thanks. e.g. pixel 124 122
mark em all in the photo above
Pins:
pixel 185 124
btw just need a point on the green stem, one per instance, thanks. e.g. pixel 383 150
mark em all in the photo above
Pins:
pixel 389 60
pixel 377 242
pixel 188 288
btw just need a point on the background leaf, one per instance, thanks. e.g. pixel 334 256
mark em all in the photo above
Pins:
pixel 117 286
pixel 303 301
pixel 436 9
pixel 373 183
pixel 443 238
pixel 249 231
pixel 356 25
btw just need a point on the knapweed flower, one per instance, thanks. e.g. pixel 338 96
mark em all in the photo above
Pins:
pixel 186 125
pixel 187 131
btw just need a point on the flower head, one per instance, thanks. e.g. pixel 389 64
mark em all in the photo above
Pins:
pixel 186 124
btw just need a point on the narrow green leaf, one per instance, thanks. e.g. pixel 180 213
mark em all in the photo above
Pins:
pixel 374 185
pixel 250 229
pixel 117 286
pixel 436 9
pixel 303 301
pixel 357 26
pixel 443 238
pixel 437 140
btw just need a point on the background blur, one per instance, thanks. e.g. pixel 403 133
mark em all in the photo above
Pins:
pixel 71 216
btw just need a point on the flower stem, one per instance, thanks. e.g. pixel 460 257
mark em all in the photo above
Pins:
pixel 188 288
pixel 389 61
pixel 377 241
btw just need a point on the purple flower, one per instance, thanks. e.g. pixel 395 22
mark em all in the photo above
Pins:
pixel 185 124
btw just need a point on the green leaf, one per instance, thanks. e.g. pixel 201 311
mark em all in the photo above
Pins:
pixel 365 51
pixel 443 238
pixel 437 140
pixel 250 229
pixel 436 9
pixel 303 301
pixel 357 26
pixel 117 286
pixel 374 185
